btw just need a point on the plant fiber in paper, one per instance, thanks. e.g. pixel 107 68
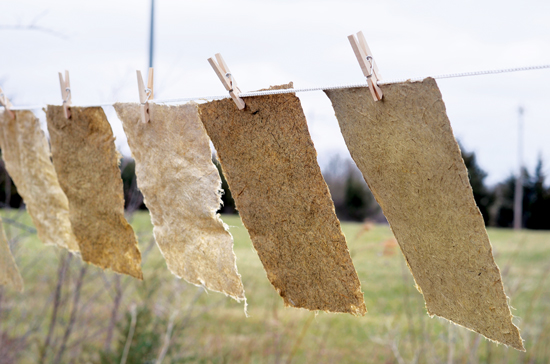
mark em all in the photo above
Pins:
pixel 86 162
pixel 270 163
pixel 181 187
pixel 405 148
pixel 26 154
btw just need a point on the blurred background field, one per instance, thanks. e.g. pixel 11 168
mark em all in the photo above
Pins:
pixel 71 312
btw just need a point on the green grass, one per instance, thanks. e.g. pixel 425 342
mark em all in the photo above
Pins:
pixel 211 328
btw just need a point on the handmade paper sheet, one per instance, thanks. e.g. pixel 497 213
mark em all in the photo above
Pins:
pixel 270 163
pixel 86 162
pixel 181 187
pixel 9 274
pixel 26 154
pixel 405 148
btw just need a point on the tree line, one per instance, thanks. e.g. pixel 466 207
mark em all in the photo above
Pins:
pixel 353 200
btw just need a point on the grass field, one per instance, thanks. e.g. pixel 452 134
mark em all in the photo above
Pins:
pixel 74 313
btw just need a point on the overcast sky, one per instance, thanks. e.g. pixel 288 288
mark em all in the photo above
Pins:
pixel 102 43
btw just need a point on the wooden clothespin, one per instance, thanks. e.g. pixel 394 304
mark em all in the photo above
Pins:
pixel 6 103
pixel 65 93
pixel 227 79
pixel 367 63
pixel 145 94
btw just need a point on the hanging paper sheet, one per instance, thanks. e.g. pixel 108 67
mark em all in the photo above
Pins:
pixel 181 187
pixel 86 162
pixel 405 148
pixel 271 166
pixel 26 153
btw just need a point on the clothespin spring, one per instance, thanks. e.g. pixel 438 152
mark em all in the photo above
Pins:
pixel 145 94
pixel 230 76
pixel 371 61
pixel 148 93
pixel 68 92
pixel 145 105
pixel 65 85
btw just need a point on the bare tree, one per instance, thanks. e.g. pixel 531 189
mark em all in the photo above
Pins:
pixel 34 26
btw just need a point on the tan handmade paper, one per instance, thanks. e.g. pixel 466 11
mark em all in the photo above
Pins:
pixel 9 274
pixel 181 187
pixel 86 162
pixel 405 147
pixel 26 153
pixel 271 166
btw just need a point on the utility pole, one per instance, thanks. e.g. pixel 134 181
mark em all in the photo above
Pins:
pixel 152 33
pixel 518 194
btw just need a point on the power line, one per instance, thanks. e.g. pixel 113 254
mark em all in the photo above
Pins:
pixel 152 34
pixel 518 191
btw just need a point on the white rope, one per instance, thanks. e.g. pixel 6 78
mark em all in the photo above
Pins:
pixel 449 75
pixel 295 90
pixel 475 73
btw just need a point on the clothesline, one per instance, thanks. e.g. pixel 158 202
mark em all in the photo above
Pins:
pixel 296 90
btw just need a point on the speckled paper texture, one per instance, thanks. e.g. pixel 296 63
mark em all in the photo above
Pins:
pixel 86 162
pixel 26 153
pixel 181 187
pixel 405 147
pixel 9 274
pixel 270 163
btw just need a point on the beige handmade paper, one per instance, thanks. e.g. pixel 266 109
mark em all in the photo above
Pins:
pixel 181 187
pixel 9 274
pixel 271 166
pixel 86 162
pixel 26 153
pixel 405 147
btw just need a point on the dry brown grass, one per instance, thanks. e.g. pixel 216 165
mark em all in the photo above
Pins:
pixel 179 323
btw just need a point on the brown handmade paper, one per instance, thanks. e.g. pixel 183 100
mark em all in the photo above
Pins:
pixel 26 153
pixel 181 187
pixel 271 166
pixel 86 162
pixel 405 147
pixel 9 274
